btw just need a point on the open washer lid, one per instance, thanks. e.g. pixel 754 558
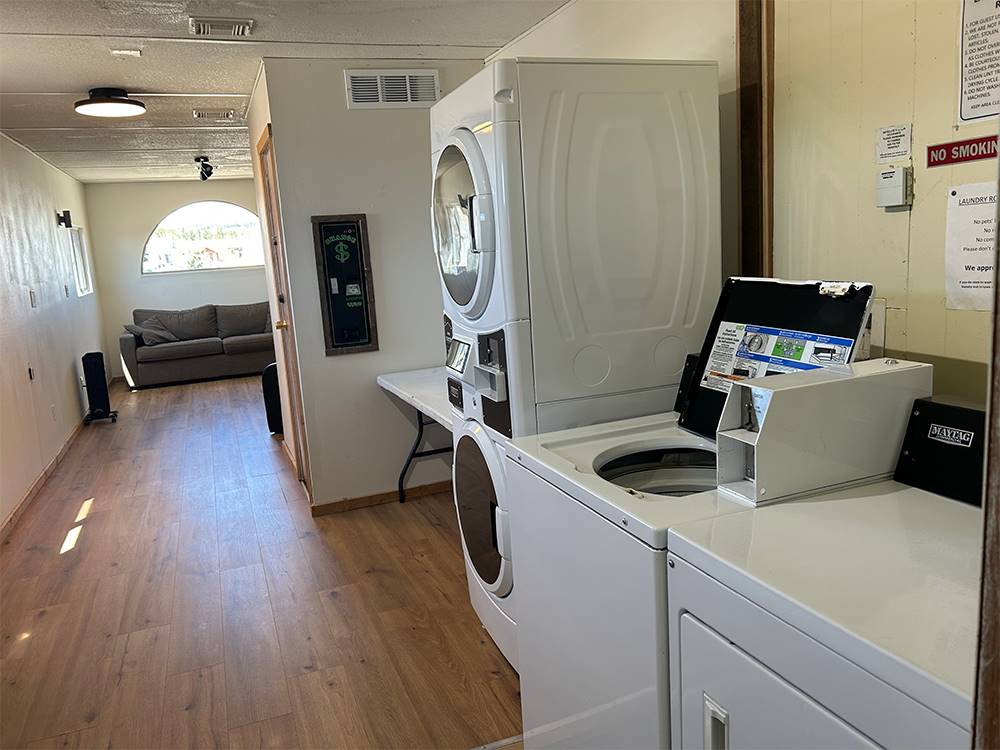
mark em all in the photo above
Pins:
pixel 770 326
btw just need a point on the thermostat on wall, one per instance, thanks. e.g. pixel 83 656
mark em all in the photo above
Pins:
pixel 892 187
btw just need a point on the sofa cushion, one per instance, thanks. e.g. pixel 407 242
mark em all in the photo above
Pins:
pixel 242 320
pixel 180 349
pixel 151 332
pixel 186 325
pixel 254 342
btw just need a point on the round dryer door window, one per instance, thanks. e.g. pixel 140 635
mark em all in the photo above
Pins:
pixel 454 191
pixel 462 223
pixel 476 499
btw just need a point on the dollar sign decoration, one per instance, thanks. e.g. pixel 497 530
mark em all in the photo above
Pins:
pixel 341 252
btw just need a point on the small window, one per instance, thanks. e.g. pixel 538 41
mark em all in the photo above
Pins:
pixel 81 261
pixel 203 236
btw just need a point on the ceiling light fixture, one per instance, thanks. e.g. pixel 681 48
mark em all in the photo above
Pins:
pixel 109 102
pixel 126 53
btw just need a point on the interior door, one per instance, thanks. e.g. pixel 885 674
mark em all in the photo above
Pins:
pixel 284 324
pixel 462 223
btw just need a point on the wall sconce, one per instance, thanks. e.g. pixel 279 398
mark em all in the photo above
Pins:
pixel 64 219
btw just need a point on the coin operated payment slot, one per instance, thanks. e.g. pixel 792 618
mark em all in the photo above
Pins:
pixel 795 434
pixel 490 379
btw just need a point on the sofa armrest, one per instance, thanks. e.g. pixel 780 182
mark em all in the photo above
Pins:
pixel 129 343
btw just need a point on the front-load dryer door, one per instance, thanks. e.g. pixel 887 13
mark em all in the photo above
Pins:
pixel 462 223
pixel 479 487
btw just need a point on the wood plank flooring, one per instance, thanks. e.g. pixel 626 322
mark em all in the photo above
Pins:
pixel 169 588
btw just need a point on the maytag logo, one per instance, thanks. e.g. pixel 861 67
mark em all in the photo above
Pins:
pixel 951 435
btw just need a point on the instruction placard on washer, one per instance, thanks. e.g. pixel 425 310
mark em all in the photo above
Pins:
pixel 744 351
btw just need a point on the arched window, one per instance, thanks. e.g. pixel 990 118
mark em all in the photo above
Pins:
pixel 203 236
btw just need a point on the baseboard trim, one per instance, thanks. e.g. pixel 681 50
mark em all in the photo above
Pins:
pixel 381 498
pixel 36 486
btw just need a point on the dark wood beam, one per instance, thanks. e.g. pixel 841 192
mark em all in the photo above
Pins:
pixel 756 75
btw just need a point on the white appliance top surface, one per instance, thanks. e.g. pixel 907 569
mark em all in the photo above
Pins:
pixel 885 574
pixel 567 459
pixel 427 390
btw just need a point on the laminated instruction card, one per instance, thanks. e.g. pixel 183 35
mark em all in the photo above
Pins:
pixel 743 351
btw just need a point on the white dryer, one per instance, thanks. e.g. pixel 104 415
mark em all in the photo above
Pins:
pixel 480 484
pixel 477 201
pixel 576 224
pixel 575 212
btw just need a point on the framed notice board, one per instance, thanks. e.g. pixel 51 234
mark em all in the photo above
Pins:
pixel 346 291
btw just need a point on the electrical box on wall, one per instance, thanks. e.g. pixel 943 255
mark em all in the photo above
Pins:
pixel 892 187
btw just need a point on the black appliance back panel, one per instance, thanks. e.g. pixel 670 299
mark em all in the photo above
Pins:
pixel 272 399
pixel 778 304
pixel 97 384
pixel 943 450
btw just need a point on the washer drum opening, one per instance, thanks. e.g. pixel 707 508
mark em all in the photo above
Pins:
pixel 673 472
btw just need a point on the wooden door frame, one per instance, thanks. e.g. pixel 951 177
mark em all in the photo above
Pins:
pixel 755 68
pixel 279 275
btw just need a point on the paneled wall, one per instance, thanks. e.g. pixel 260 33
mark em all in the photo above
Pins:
pixel 844 68
pixel 38 416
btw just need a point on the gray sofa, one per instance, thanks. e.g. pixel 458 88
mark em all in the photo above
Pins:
pixel 210 341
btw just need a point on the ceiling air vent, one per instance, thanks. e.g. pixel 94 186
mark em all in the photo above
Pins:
pixel 214 115
pixel 388 89
pixel 220 27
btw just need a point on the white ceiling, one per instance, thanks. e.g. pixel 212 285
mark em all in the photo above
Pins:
pixel 53 51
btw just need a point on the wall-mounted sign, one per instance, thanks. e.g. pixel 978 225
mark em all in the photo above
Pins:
pixel 972 149
pixel 970 252
pixel 892 143
pixel 346 291
pixel 979 74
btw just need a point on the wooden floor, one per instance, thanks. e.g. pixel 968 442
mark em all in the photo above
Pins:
pixel 169 588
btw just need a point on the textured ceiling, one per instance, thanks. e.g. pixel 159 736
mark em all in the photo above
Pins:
pixel 52 51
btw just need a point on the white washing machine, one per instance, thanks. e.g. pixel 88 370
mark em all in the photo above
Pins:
pixel 850 620
pixel 590 509
pixel 575 217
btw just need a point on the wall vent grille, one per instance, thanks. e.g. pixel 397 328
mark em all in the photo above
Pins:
pixel 215 115
pixel 391 89
pixel 220 27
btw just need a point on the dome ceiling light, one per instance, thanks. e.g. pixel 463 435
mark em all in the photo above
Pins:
pixel 109 102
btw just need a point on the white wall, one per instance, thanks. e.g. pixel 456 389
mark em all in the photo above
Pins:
pixel 656 29
pixel 843 69
pixel 38 417
pixel 123 215
pixel 332 161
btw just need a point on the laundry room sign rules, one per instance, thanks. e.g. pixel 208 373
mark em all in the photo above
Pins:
pixel 347 299
pixel 979 74
pixel 970 253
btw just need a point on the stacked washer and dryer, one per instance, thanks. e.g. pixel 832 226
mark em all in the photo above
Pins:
pixel 576 222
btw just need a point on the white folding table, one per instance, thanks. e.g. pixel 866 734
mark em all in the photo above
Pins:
pixel 427 392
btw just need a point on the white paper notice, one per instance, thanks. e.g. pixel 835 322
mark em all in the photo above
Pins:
pixel 970 253
pixel 892 143
pixel 979 75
